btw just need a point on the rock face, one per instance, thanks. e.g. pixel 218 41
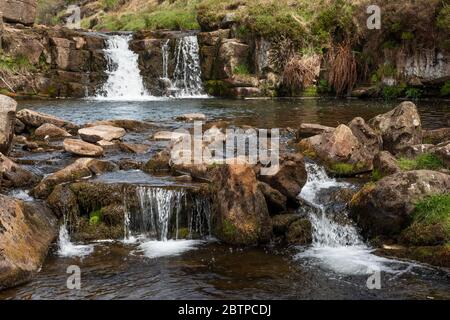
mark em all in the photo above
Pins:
pixel 82 148
pixel 51 131
pixel 26 232
pixel 7 122
pixel 399 128
pixel 82 168
pixel 101 132
pixel 20 11
pixel 384 208
pixel 34 119
pixel 14 176
pixel 241 217
pixel 345 150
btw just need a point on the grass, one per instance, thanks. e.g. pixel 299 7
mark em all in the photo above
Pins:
pixel 241 69
pixel 376 175
pixel 15 65
pixel 426 161
pixel 345 169
pixel 434 209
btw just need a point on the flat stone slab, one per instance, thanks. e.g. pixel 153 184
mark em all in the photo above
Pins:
pixel 168 135
pixel 101 132
pixel 191 117
pixel 82 148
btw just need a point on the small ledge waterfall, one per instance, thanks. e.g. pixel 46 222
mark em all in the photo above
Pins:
pixel 186 81
pixel 124 79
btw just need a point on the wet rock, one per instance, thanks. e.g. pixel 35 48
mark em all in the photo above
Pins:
pixel 276 201
pixel 191 117
pixel 63 202
pixel 19 127
pixel 82 148
pixel 107 145
pixel 129 164
pixel 307 130
pixel 81 168
pixel 385 164
pixel 127 124
pixel 436 136
pixel 7 122
pixel 26 232
pixel 299 232
pixel 159 162
pixel 36 119
pixel 290 178
pixel 384 208
pixel 340 150
pixel 184 178
pixel 399 128
pixel 281 222
pixel 14 176
pixel 101 132
pixel 51 131
pixel 134 147
pixel 168 135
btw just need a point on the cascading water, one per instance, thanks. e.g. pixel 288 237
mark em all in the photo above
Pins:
pixel 124 79
pixel 186 81
pixel 68 249
pixel 336 246
pixel 159 219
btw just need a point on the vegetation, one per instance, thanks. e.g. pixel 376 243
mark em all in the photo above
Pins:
pixel 426 161
pixel 241 69
pixel 95 217
pixel 445 89
pixel 376 175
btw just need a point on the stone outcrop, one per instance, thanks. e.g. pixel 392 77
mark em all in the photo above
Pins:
pixel 26 232
pixel 384 208
pixel 7 122
pixel 19 11
pixel 81 148
pixel 399 128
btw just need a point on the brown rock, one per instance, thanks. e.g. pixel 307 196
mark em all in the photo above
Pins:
pixel 14 176
pixel 7 122
pixel 311 129
pixel 134 147
pixel 101 132
pixel 36 119
pixel 82 148
pixel 385 163
pixel 436 136
pixel 51 131
pixel 276 201
pixel 19 11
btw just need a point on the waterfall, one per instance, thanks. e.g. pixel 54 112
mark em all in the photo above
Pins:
pixel 337 247
pixel 124 79
pixel 68 249
pixel 165 57
pixel 186 81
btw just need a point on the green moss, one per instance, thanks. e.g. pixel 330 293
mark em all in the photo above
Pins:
pixel 15 64
pixel 424 161
pixel 413 93
pixel 310 91
pixel 443 18
pixel 345 169
pixel 110 4
pixel 376 175
pixel 407 35
pixel 241 69
pixel 217 88
pixel 445 89
pixel 183 233
pixel 229 230
pixel 95 217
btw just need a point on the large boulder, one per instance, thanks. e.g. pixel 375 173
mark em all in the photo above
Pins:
pixel 384 208
pixel 7 122
pixel 81 168
pixel 101 132
pixel 81 148
pixel 36 119
pixel 241 214
pixel 399 128
pixel 385 164
pixel 26 232
pixel 14 176
pixel 290 178
pixel 307 130
pixel 341 150
pixel 19 11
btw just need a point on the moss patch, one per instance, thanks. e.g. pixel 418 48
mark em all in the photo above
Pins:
pixel 424 161
pixel 95 217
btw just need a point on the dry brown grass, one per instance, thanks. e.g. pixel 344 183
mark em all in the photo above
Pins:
pixel 342 63
pixel 301 72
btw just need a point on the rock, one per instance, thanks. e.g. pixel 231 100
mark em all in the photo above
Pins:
pixel 101 132
pixel 281 222
pixel 36 119
pixel 311 129
pixel 436 136
pixel 384 208
pixel 14 176
pixel 340 150
pixel 134 147
pixel 242 217
pixel 7 122
pixel 184 178
pixel 192 117
pixel 369 140
pixel 385 164
pixel 129 164
pixel 415 150
pixel 51 131
pixel 19 11
pixel 420 234
pixel 81 148
pixel 168 135
pixel 399 128
pixel 26 232
pixel 127 124
pixel 442 151
pixel 276 201
pixel 159 162
pixel 299 232
pixel 290 178
pixel 81 168
pixel 19 127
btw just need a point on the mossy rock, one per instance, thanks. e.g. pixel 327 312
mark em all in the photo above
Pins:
pixel 422 234
pixel 299 232
pixel 281 222
pixel 218 88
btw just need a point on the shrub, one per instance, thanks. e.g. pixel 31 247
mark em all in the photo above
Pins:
pixel 413 93
pixel 392 92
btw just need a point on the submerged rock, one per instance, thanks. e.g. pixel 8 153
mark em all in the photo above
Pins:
pixel 36 119
pixel 7 122
pixel 399 128
pixel 82 148
pixel 26 232
pixel 101 132
pixel 50 130
pixel 384 208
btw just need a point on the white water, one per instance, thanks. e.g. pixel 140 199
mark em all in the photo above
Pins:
pixel 186 80
pixel 124 79
pixel 157 249
pixel 68 249
pixel 21 195
pixel 337 247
